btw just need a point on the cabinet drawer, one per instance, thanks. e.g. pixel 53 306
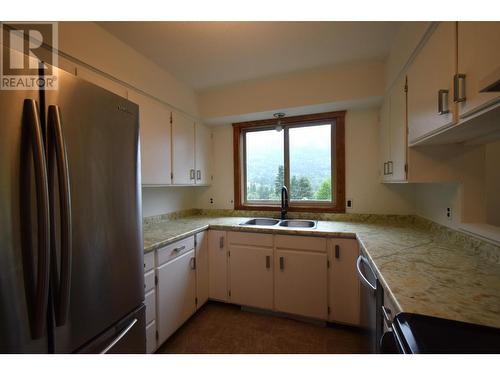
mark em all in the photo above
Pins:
pixel 301 243
pixel 250 239
pixel 149 281
pixel 151 337
pixel 149 261
pixel 175 249
pixel 150 302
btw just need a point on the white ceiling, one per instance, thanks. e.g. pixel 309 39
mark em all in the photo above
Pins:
pixel 209 54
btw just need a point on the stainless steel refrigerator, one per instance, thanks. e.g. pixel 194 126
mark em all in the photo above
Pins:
pixel 71 252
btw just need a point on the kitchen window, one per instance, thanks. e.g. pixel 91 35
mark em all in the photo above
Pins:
pixel 303 153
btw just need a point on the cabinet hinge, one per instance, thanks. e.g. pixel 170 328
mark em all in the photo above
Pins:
pixel 171 175
pixel 171 118
pixel 157 335
pixel 327 263
pixel 196 301
pixel 406 84
pixel 229 293
pixel 156 280
pixel 329 310
pixel 406 168
pixel 229 254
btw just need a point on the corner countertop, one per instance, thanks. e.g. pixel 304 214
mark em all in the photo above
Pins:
pixel 424 268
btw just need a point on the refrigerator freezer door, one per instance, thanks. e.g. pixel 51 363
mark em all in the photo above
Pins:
pixel 101 136
pixel 19 258
pixel 128 336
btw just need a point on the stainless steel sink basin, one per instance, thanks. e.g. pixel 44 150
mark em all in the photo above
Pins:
pixel 298 223
pixel 261 221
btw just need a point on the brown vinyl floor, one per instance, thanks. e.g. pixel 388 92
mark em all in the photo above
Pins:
pixel 224 329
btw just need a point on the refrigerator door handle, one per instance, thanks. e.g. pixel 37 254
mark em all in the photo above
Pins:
pixel 119 337
pixel 57 148
pixel 37 292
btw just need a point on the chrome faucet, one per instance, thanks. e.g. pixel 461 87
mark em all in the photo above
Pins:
pixel 284 202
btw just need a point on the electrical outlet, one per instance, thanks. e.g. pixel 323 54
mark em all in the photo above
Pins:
pixel 349 203
pixel 448 213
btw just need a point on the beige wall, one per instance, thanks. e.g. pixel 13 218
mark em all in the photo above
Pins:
pixel 339 83
pixel 362 178
pixel 161 200
pixel 493 183
pixel 91 44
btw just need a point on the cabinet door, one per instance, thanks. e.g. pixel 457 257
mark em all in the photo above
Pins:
pixel 478 58
pixel 176 294
pixel 431 71
pixel 385 138
pixel 182 150
pixel 301 283
pixel 344 288
pixel 101 81
pixel 201 268
pixel 397 120
pixel 217 265
pixel 203 154
pixel 154 120
pixel 251 276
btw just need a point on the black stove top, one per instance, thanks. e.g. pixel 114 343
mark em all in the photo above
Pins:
pixel 416 333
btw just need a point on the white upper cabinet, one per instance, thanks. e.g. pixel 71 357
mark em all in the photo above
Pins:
pixel 385 139
pixel 183 150
pixel 393 133
pixel 430 84
pixel 398 136
pixel 102 81
pixel 478 60
pixel 203 143
pixel 154 120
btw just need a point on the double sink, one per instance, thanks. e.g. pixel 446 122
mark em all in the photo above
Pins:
pixel 264 222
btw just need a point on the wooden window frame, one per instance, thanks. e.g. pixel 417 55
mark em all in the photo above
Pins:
pixel 337 162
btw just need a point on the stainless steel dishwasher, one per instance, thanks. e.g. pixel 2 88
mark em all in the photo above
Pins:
pixel 371 302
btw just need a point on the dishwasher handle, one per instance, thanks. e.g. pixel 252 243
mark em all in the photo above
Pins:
pixel 361 276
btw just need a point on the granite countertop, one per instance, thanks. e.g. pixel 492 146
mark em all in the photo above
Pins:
pixel 424 268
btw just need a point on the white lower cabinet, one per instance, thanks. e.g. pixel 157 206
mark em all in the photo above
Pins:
pixel 344 288
pixel 151 337
pixel 150 301
pixel 217 265
pixel 251 276
pixel 176 293
pixel 300 276
pixel 201 247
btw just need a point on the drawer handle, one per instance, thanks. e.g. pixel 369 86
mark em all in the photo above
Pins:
pixel 192 262
pixel 337 251
pixel 268 261
pixel 221 242
pixel 198 175
pixel 282 263
pixel 177 249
